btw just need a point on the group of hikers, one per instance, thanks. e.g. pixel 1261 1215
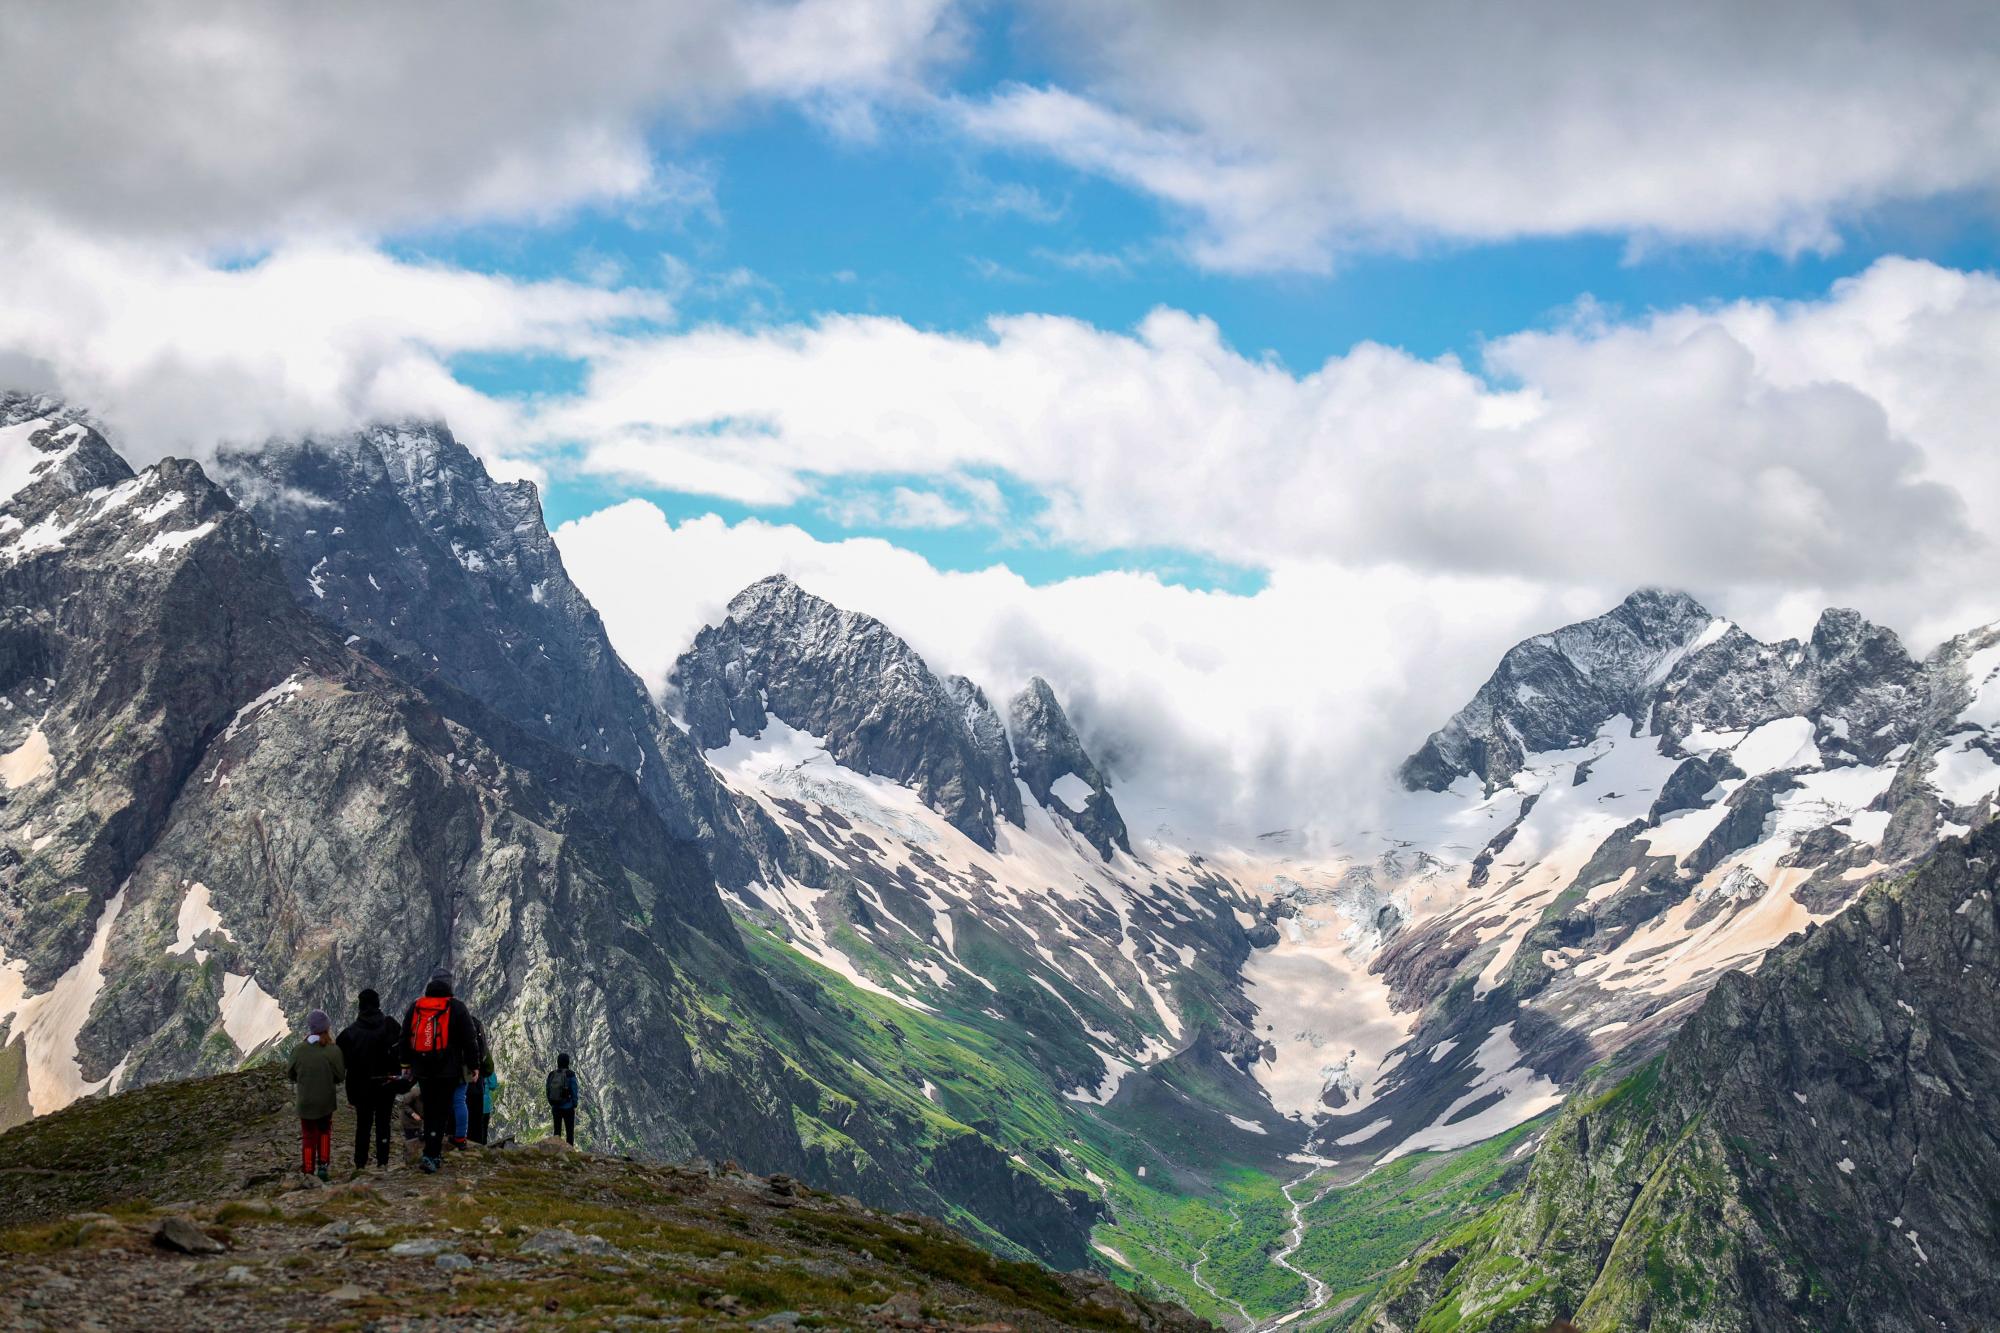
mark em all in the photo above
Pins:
pixel 436 1061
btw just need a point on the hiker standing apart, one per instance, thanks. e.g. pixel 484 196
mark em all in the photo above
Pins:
pixel 482 1099
pixel 318 1070
pixel 370 1045
pixel 437 1040
pixel 562 1093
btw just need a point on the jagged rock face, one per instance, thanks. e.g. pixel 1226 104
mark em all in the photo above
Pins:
pixel 399 535
pixel 1813 1151
pixel 1053 764
pixel 1662 661
pixel 136 614
pixel 845 678
pixel 1554 691
pixel 1853 679
pixel 221 816
pixel 1730 793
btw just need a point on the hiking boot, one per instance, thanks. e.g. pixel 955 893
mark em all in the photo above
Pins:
pixel 459 1144
pixel 323 1173
pixel 429 1165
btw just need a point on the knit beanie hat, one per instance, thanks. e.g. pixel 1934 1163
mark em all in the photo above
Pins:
pixel 442 974
pixel 370 1002
pixel 317 1021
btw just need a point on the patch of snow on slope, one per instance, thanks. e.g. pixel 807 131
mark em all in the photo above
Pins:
pixel 1522 1095
pixel 20 461
pixel 49 1022
pixel 168 542
pixel 1071 790
pixel 1827 797
pixel 197 917
pixel 27 761
pixel 1982 673
pixel 1964 775
pixel 1784 744
pixel 250 1015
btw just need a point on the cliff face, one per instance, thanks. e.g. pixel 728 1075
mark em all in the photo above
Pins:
pixel 223 807
pixel 1814 1149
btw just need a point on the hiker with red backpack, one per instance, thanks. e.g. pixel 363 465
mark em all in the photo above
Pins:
pixel 372 1048
pixel 438 1041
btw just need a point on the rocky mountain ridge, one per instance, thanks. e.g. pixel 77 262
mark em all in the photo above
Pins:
pixel 1810 1152
pixel 895 939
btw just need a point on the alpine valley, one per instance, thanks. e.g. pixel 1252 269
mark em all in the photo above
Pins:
pixel 1661 994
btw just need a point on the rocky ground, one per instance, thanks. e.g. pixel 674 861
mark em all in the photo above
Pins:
pixel 181 1205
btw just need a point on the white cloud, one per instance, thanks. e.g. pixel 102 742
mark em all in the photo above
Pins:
pixel 1218 714
pixel 1285 133
pixel 236 121
pixel 176 354
pixel 1835 449
pixel 1756 446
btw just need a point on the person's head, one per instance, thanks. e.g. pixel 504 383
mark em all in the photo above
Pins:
pixel 369 1001
pixel 318 1024
pixel 562 1061
pixel 440 983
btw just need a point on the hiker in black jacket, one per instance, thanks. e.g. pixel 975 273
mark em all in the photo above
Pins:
pixel 438 1041
pixel 372 1048
pixel 563 1096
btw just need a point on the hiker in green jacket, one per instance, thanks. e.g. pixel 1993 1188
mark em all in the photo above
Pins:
pixel 318 1069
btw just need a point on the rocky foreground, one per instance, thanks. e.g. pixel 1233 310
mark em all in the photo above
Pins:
pixel 181 1205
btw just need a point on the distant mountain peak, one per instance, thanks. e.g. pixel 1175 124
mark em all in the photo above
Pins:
pixel 1661 658
pixel 1051 760
pixel 846 678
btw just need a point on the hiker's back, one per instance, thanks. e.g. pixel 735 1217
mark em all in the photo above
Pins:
pixel 429 1038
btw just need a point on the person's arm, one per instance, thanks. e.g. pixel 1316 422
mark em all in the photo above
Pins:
pixel 339 1064
pixel 292 1066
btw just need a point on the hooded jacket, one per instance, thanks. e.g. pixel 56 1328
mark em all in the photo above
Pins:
pixel 318 1070
pixel 461 1045
pixel 372 1047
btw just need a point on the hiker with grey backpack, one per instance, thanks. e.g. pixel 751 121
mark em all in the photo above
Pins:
pixel 563 1095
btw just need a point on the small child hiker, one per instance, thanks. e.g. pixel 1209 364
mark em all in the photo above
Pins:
pixel 319 1071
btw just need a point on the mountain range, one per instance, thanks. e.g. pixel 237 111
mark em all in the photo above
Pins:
pixel 329 712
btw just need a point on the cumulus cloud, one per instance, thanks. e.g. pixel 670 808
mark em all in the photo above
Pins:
pixel 1839 448
pixel 176 354
pixel 1218 715
pixel 1756 445
pixel 1285 133
pixel 240 122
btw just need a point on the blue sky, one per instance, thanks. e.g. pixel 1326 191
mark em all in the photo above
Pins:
pixel 892 268
pixel 795 221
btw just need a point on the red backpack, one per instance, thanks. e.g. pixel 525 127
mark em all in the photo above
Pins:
pixel 430 1025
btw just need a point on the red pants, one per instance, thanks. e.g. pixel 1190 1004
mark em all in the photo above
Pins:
pixel 315 1142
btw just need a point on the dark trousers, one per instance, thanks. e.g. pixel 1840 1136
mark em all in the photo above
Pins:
pixel 478 1118
pixel 373 1110
pixel 440 1115
pixel 565 1121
